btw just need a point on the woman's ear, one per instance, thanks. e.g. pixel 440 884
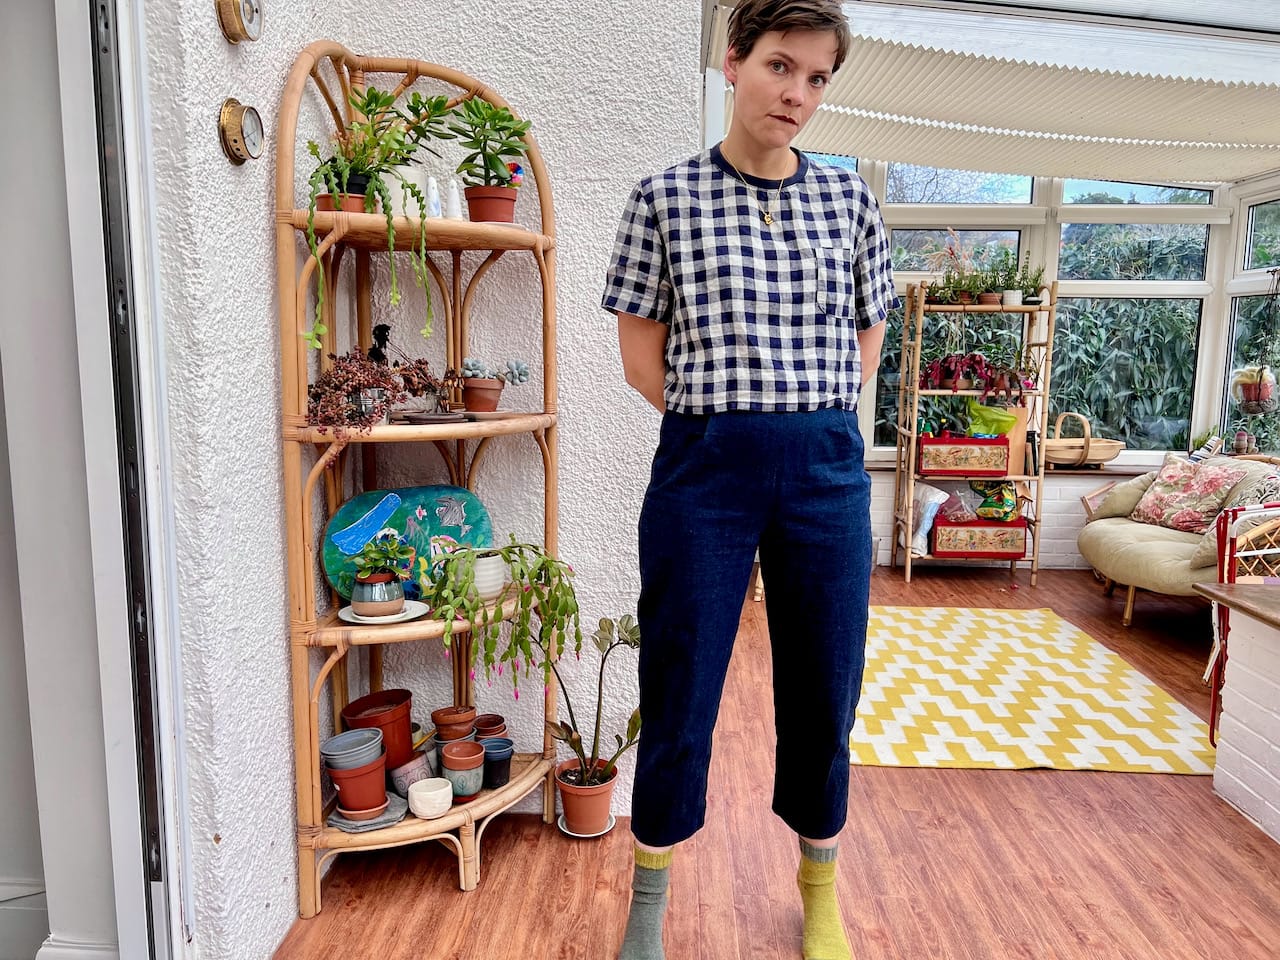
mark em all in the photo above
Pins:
pixel 730 68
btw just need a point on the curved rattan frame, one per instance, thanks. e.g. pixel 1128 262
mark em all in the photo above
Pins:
pixel 340 232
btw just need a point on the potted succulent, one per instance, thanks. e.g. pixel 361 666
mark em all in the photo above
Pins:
pixel 494 139
pixel 545 617
pixel 586 780
pixel 381 565
pixel 482 385
pixel 353 393
pixel 960 271
pixel 368 152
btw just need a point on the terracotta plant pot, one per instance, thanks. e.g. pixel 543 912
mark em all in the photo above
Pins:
pixel 361 788
pixel 951 383
pixel 389 711
pixel 491 204
pixel 453 723
pixel 369 814
pixel 964 296
pixel 989 297
pixel 586 809
pixel 377 595
pixel 481 395
pixel 351 203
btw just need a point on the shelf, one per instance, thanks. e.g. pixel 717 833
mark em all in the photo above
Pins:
pixel 916 558
pixel 527 773
pixel 975 476
pixel 941 392
pixel 331 631
pixel 976 307
pixel 368 231
pixel 499 424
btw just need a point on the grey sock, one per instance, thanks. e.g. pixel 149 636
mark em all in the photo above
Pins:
pixel 643 940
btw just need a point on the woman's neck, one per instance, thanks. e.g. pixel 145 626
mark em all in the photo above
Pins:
pixel 747 156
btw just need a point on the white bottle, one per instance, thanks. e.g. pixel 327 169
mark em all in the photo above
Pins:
pixel 433 197
pixel 454 208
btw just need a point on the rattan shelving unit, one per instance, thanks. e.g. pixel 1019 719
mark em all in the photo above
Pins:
pixel 315 460
pixel 1036 350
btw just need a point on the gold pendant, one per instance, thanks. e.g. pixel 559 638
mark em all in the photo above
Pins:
pixel 768 218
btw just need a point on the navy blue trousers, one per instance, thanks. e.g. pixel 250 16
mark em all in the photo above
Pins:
pixel 793 485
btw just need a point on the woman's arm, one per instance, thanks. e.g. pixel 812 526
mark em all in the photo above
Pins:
pixel 644 356
pixel 870 343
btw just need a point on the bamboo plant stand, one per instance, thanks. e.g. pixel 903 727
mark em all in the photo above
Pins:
pixel 1036 354
pixel 317 461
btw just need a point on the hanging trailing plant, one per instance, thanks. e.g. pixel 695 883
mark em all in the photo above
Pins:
pixel 365 155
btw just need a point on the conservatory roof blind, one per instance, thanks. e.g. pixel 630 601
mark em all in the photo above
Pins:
pixel 919 103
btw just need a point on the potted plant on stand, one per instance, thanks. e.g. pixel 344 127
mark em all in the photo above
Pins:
pixel 545 617
pixel 482 385
pixel 372 149
pixel 381 565
pixel 353 393
pixel 494 139
pixel 586 780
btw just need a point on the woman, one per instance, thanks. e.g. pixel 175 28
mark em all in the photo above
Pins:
pixel 750 286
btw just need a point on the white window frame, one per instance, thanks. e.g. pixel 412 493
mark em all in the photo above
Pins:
pixel 1041 224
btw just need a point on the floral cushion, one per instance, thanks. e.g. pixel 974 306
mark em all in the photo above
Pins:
pixel 1187 496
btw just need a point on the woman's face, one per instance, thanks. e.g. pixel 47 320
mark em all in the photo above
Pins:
pixel 780 83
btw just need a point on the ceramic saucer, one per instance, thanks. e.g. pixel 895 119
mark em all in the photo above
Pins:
pixel 585 836
pixel 412 610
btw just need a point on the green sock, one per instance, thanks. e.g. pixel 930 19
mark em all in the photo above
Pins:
pixel 824 937
pixel 643 939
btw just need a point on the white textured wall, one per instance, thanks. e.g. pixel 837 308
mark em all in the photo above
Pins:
pixel 613 95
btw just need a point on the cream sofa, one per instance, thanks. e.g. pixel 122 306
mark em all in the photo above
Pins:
pixel 1142 556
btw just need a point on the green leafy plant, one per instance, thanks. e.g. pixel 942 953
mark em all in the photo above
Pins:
pixel 546 613
pixel 492 136
pixel 609 636
pixel 1003 273
pixel 368 151
pixel 385 553
pixel 1028 280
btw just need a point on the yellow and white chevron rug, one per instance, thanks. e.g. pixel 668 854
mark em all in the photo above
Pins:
pixel 1013 689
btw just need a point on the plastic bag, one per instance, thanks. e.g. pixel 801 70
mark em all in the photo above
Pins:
pixel 999 499
pixel 991 421
pixel 925 505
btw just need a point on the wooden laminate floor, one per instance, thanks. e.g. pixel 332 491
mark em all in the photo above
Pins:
pixel 971 864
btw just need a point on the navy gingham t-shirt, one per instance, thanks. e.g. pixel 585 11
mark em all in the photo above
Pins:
pixel 763 317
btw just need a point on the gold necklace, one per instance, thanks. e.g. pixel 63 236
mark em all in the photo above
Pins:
pixel 766 213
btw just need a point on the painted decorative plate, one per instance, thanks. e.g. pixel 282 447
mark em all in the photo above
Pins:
pixel 432 519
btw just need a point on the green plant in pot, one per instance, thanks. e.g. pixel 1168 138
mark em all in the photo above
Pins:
pixel 366 154
pixel 424 391
pixel 352 393
pixel 482 384
pixel 1030 280
pixel 586 781
pixel 381 566
pixel 494 140
pixel 545 618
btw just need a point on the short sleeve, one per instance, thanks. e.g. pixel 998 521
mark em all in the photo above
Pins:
pixel 637 281
pixel 873 271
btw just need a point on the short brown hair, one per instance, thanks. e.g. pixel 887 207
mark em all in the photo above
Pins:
pixel 752 19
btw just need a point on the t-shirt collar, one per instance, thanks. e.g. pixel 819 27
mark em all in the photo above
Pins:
pixel 717 157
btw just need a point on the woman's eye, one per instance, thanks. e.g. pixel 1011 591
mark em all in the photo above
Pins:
pixel 777 66
pixel 818 81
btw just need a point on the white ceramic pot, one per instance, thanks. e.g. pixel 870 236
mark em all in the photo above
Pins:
pixel 1011 298
pixel 491 577
pixel 402 199
pixel 431 798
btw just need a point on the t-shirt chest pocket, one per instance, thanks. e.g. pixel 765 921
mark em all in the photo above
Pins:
pixel 836 288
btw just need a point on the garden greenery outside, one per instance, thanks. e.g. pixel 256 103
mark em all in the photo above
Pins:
pixel 1126 363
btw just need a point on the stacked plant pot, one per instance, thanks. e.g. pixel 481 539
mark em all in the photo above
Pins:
pixel 357 764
